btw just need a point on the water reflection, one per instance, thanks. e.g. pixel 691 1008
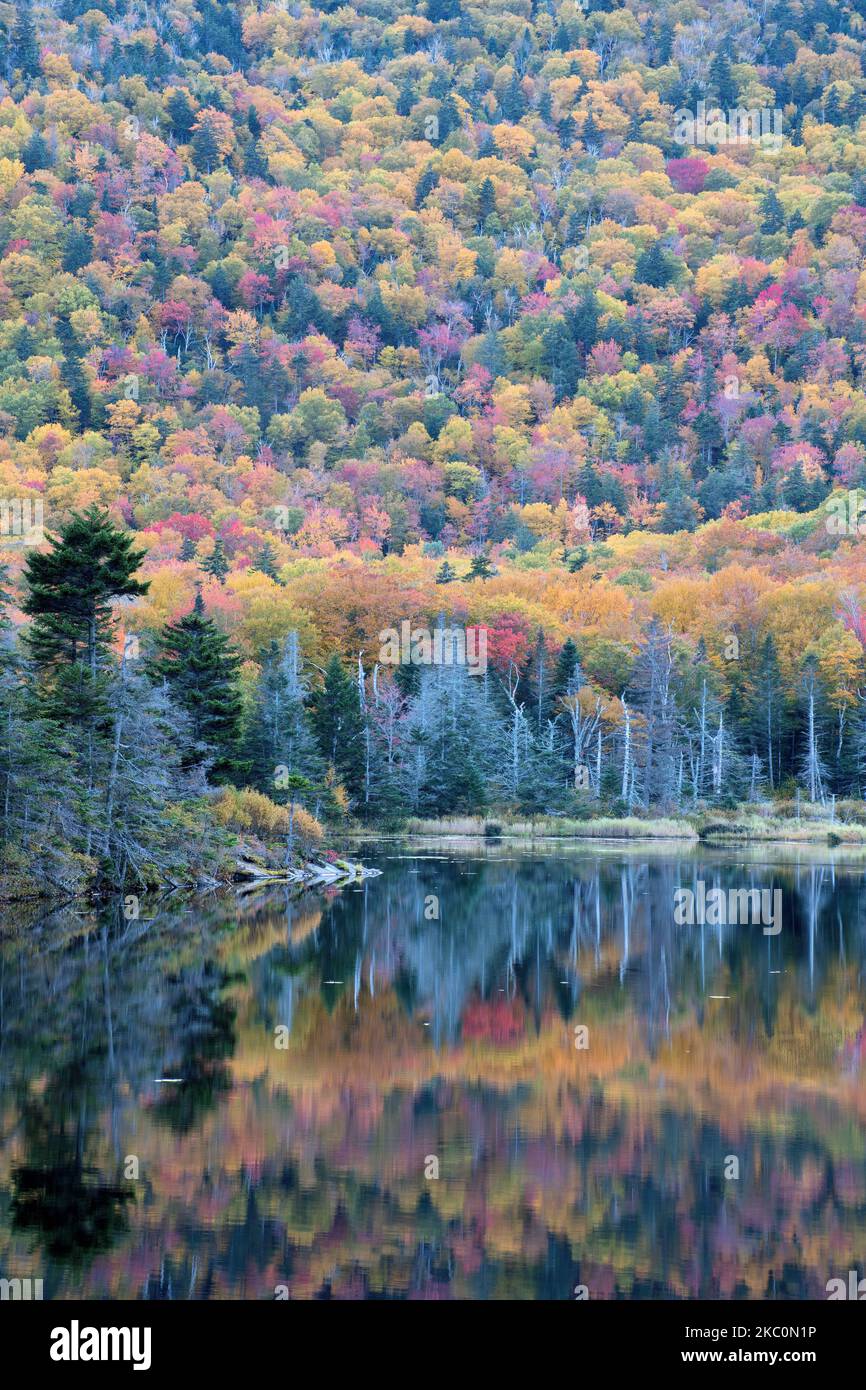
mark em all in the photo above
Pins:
pixel 282 1070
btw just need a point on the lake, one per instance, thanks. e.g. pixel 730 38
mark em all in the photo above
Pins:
pixel 496 1071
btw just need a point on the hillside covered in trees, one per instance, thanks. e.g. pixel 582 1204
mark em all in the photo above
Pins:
pixel 546 319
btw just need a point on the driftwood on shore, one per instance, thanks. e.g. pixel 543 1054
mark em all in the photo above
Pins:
pixel 310 875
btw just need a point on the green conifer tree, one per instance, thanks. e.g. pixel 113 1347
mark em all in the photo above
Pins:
pixel 70 590
pixel 339 726
pixel 200 668
pixel 216 563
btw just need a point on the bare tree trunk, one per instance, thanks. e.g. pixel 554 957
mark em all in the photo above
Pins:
pixel 626 763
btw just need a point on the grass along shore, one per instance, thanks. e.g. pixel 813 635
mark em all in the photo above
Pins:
pixel 718 828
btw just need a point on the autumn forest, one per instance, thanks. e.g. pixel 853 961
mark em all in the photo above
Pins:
pixel 515 318
pixel 432 544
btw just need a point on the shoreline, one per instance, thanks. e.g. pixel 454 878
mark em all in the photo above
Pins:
pixel 611 831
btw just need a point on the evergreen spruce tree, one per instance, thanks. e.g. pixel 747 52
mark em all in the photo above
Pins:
pixel 654 267
pixel 78 250
pixel 453 746
pixel 722 81
pixel 339 726
pixel 25 46
pixel 35 154
pixel 590 135
pixel 449 117
pixel 513 102
pixel 205 149
pixel 446 573
pixel 563 671
pixel 680 513
pixel 486 200
pixel 200 669
pixel 774 213
pixel 796 492
pixel 72 370
pixel 70 590
pixel 583 321
pixel 255 163
pixel 561 359
pixel 181 115
pixel 40 793
pixel 425 185
pixel 406 100
pixel 480 568
pixel 216 563
pixel 266 563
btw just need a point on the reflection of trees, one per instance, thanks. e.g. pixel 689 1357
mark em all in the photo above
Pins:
pixel 311 1171
pixel 56 1195
pixel 204 1024
pixel 94 1017
pixel 561 929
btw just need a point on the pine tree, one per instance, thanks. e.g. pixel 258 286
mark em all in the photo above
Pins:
pixel 255 163
pixel 266 563
pixel 72 370
pixel 480 568
pixel 187 550
pixel 590 135
pixel 561 359
pixel 583 321
pixel 425 185
pixel 406 100
pixel 181 115
pixel 25 46
pixel 563 671
pixel 589 485
pixel 449 117
pixel 454 744
pixel 486 200
pixel 513 102
pixel 35 154
pixel 339 726
pixel 446 573
pixel 566 130
pixel 654 267
pixel 40 790
pixel 664 44
pixel 796 492
pixel 722 80
pixel 205 148
pixel 70 589
pixel 774 213
pixel 200 668
pixel 680 513
pixel 78 250
pixel 216 563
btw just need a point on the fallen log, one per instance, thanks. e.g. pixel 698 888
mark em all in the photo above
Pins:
pixel 312 874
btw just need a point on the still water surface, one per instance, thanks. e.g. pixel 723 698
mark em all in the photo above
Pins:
pixel 282 1073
